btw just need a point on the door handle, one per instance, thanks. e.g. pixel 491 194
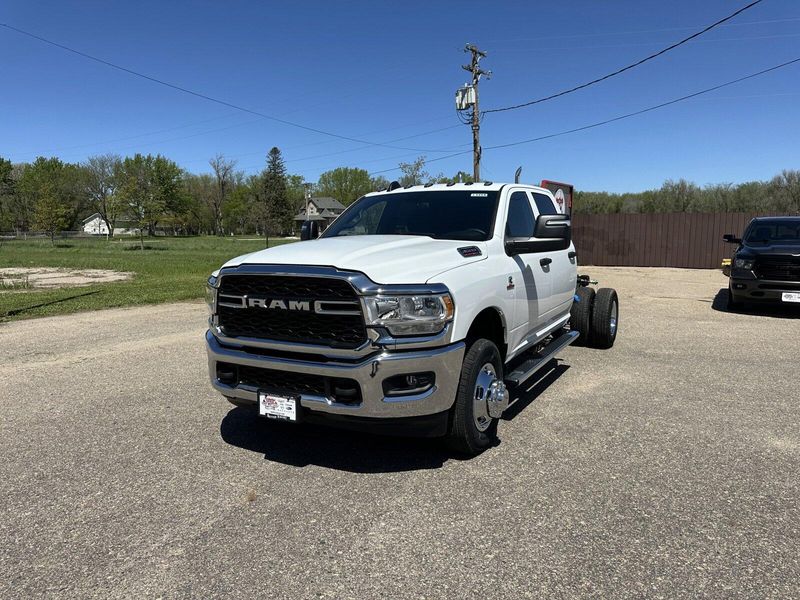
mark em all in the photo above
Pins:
pixel 572 254
pixel 545 261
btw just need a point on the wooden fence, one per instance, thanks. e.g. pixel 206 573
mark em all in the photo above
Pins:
pixel 689 240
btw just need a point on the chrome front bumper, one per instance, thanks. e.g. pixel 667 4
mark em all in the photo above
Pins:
pixel 444 362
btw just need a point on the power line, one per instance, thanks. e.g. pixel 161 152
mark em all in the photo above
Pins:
pixel 619 118
pixel 636 32
pixel 648 109
pixel 205 96
pixel 628 67
pixel 541 49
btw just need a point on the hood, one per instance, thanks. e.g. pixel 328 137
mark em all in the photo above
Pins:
pixel 383 258
pixel 767 249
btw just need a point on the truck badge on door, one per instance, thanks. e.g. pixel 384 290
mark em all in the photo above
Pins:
pixel 510 285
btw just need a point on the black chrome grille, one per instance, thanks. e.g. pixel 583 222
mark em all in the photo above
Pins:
pixel 301 326
pixel 778 268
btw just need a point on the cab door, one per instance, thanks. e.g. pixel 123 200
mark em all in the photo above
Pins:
pixel 531 281
pixel 562 267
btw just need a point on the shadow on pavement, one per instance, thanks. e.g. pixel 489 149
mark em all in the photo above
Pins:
pixel 543 379
pixel 303 445
pixel 777 310
pixel 357 452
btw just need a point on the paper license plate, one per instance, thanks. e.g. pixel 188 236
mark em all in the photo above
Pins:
pixel 790 296
pixel 277 407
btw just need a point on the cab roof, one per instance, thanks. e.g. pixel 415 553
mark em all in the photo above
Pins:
pixel 471 187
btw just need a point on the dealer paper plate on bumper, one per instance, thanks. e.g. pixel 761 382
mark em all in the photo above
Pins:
pixel 272 406
pixel 790 296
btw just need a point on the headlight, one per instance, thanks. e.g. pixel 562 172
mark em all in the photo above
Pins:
pixel 211 294
pixel 743 263
pixel 410 315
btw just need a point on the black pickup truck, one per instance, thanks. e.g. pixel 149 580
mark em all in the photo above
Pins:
pixel 766 264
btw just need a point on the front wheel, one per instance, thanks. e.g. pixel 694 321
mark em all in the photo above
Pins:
pixel 480 391
pixel 733 305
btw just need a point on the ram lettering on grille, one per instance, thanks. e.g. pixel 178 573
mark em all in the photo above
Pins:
pixel 306 310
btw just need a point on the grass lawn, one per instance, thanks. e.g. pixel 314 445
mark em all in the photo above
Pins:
pixel 168 270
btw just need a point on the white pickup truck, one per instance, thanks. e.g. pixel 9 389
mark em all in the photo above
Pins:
pixel 420 310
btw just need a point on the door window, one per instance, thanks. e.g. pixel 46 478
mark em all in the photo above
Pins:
pixel 520 216
pixel 544 204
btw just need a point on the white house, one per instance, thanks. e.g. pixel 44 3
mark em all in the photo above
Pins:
pixel 94 225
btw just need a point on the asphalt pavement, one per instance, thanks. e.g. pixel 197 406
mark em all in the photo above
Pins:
pixel 666 467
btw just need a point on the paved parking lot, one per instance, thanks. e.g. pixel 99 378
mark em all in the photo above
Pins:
pixel 665 467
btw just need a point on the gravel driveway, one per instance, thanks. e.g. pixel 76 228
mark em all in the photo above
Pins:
pixel 665 467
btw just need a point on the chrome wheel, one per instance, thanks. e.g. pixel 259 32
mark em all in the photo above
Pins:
pixel 612 321
pixel 485 391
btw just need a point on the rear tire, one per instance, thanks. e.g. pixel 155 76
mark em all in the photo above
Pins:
pixel 472 430
pixel 580 318
pixel 605 318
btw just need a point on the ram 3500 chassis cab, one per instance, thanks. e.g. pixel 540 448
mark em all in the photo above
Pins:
pixel 423 308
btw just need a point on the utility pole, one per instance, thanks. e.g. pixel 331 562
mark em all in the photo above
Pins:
pixel 470 98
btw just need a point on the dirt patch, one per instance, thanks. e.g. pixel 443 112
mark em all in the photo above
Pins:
pixel 33 278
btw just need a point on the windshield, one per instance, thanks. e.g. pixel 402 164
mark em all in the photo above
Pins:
pixel 774 232
pixel 443 215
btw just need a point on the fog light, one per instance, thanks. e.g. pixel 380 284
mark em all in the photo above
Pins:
pixel 226 373
pixel 412 383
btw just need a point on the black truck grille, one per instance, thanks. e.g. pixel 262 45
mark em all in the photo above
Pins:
pixel 301 326
pixel 778 268
pixel 340 390
pixel 282 381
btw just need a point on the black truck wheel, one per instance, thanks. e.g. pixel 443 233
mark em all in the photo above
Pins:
pixel 472 429
pixel 605 318
pixel 732 304
pixel 580 318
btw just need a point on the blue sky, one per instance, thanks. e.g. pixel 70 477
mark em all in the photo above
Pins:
pixel 382 71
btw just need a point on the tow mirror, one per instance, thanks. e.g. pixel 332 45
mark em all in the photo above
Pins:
pixel 731 239
pixel 309 230
pixel 551 233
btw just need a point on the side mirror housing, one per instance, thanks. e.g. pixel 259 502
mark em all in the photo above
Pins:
pixel 731 239
pixel 551 233
pixel 309 230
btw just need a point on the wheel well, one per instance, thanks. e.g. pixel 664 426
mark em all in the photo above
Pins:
pixel 489 325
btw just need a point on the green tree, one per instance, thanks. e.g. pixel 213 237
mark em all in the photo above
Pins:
pixel 459 177
pixel 50 176
pixel 237 212
pixel 200 189
pixel 101 185
pixel 50 214
pixel 785 191
pixel 225 182
pixel 414 173
pixel 7 185
pixel 345 184
pixel 151 187
pixel 296 186
pixel 276 213
pixel 378 183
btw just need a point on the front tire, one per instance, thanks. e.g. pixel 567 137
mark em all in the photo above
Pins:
pixel 733 305
pixel 472 429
